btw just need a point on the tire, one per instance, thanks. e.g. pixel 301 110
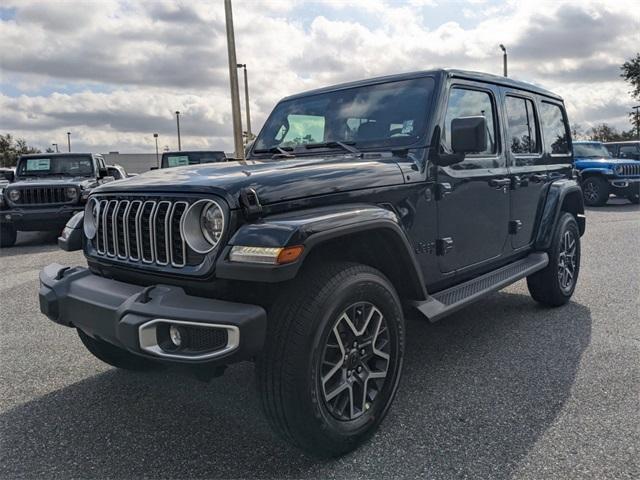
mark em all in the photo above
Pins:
pixel 595 191
pixel 554 285
pixel 308 338
pixel 8 235
pixel 114 356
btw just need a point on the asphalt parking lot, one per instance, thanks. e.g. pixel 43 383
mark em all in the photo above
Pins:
pixel 504 389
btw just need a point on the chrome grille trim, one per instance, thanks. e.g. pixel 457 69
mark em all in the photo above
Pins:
pixel 145 231
pixel 182 245
pixel 630 170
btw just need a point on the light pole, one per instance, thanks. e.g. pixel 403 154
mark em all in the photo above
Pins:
pixel 155 135
pixel 69 141
pixel 504 59
pixel 233 80
pixel 56 145
pixel 246 101
pixel 178 124
pixel 636 108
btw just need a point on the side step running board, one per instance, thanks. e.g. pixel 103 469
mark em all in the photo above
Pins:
pixel 448 301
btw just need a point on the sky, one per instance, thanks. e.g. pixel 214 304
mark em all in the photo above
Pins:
pixel 112 72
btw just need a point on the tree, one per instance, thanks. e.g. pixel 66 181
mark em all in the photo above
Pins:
pixel 11 148
pixel 607 133
pixel 631 74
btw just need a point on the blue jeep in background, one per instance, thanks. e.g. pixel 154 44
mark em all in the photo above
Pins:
pixel 602 175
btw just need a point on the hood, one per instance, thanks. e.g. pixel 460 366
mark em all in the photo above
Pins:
pixel 82 182
pixel 273 180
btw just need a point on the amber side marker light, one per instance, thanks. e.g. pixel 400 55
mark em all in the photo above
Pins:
pixel 265 255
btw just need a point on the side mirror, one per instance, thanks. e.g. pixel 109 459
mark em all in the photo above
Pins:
pixel 153 168
pixel 469 134
pixel 102 172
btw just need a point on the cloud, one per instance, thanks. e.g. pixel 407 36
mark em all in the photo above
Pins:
pixel 114 71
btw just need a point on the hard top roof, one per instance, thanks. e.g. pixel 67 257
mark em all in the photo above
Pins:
pixel 453 73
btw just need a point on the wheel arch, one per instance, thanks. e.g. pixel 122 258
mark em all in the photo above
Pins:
pixel 367 234
pixel 563 196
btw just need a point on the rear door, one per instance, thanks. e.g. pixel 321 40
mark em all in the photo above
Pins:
pixel 527 167
pixel 473 196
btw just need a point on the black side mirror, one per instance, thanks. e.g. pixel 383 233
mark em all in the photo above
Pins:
pixel 103 172
pixel 153 168
pixel 469 134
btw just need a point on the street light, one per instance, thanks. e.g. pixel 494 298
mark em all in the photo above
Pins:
pixel 56 145
pixel 504 59
pixel 246 101
pixel 233 81
pixel 178 124
pixel 69 141
pixel 636 108
pixel 155 135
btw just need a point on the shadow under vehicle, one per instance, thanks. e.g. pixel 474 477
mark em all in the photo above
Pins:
pixel 418 193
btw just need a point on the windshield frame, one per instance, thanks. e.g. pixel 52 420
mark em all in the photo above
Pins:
pixel 420 140
pixel 22 163
pixel 589 145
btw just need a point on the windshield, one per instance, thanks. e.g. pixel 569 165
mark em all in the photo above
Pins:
pixel 384 115
pixel 179 159
pixel 72 165
pixel 590 150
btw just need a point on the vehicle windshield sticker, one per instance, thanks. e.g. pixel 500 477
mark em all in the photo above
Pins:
pixel 178 161
pixel 37 164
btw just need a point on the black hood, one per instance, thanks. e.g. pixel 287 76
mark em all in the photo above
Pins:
pixel 53 181
pixel 273 180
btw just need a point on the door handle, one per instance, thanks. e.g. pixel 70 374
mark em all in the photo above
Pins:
pixel 539 177
pixel 500 182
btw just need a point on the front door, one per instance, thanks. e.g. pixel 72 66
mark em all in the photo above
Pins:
pixel 473 196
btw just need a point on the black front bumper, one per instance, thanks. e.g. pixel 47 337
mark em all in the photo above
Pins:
pixel 114 311
pixel 36 219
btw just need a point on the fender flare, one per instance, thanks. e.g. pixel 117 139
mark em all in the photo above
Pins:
pixel 556 195
pixel 312 228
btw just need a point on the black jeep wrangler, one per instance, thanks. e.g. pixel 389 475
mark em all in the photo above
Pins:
pixel 47 190
pixel 357 204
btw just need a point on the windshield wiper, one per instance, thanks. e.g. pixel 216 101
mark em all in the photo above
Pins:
pixel 280 152
pixel 348 146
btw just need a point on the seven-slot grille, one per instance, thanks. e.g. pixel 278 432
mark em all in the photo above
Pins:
pixel 146 231
pixel 42 196
pixel 630 170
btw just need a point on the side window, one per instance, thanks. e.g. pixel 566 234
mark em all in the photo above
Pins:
pixel 555 128
pixel 465 102
pixel 523 130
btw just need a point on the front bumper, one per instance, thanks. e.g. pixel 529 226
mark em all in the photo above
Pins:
pixel 624 182
pixel 123 314
pixel 32 219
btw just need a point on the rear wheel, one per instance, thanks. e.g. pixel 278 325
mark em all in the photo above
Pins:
pixel 114 356
pixel 8 235
pixel 554 285
pixel 595 191
pixel 332 359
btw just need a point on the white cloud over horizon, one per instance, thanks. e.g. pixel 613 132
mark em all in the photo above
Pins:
pixel 113 72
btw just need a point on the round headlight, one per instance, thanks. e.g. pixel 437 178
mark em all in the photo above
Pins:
pixel 203 225
pixel 619 170
pixel 71 193
pixel 90 223
pixel 14 195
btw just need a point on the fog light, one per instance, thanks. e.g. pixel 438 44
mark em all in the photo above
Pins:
pixel 175 335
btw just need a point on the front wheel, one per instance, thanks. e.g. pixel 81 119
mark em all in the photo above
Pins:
pixel 595 191
pixel 554 285
pixel 333 357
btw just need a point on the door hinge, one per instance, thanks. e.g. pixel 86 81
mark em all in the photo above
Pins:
pixel 515 226
pixel 444 245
